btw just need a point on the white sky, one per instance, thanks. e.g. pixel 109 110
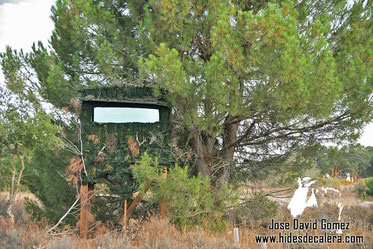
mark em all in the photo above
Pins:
pixel 23 22
pixel 125 115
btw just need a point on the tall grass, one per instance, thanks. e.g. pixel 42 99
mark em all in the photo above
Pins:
pixel 159 233
pixel 156 233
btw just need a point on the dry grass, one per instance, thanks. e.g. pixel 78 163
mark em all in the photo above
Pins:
pixel 155 233
pixel 18 206
pixel 21 235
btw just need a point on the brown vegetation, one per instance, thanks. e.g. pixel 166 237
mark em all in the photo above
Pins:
pixel 157 233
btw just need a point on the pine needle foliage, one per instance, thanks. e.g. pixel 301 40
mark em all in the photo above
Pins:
pixel 191 200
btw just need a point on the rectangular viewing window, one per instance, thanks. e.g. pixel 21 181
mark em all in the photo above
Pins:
pixel 125 115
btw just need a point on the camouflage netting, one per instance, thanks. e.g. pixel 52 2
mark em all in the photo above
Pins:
pixel 131 94
pixel 110 148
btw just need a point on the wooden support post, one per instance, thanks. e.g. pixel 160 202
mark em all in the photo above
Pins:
pixel 83 211
pixel 91 197
pixel 125 210
pixel 123 220
pixel 135 202
pixel 162 206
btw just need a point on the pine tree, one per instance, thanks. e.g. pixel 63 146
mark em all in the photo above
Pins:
pixel 247 80
pixel 47 180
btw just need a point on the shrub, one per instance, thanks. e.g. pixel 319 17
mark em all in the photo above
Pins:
pixel 20 215
pixel 369 184
pixel 333 182
pixel 22 235
pixel 47 180
pixel 257 209
pixel 191 200
pixel 360 189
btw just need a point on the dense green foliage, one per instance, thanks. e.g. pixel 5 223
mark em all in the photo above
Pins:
pixel 24 125
pixel 48 182
pixel 249 82
pixel 369 184
pixel 259 80
pixel 350 159
pixel 255 78
pixel 190 200
pixel 5 170
pixel 316 163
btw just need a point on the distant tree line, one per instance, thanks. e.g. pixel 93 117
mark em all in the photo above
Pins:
pixel 347 159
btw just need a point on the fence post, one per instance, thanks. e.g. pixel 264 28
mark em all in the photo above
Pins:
pixel 162 206
pixel 236 238
pixel 83 211
pixel 123 220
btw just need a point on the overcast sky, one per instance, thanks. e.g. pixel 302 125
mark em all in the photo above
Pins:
pixel 23 22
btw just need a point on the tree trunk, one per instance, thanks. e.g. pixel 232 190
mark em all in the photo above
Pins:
pixel 204 146
pixel 20 158
pixel 9 211
pixel 203 157
pixel 227 154
pixel 15 184
pixel 12 192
